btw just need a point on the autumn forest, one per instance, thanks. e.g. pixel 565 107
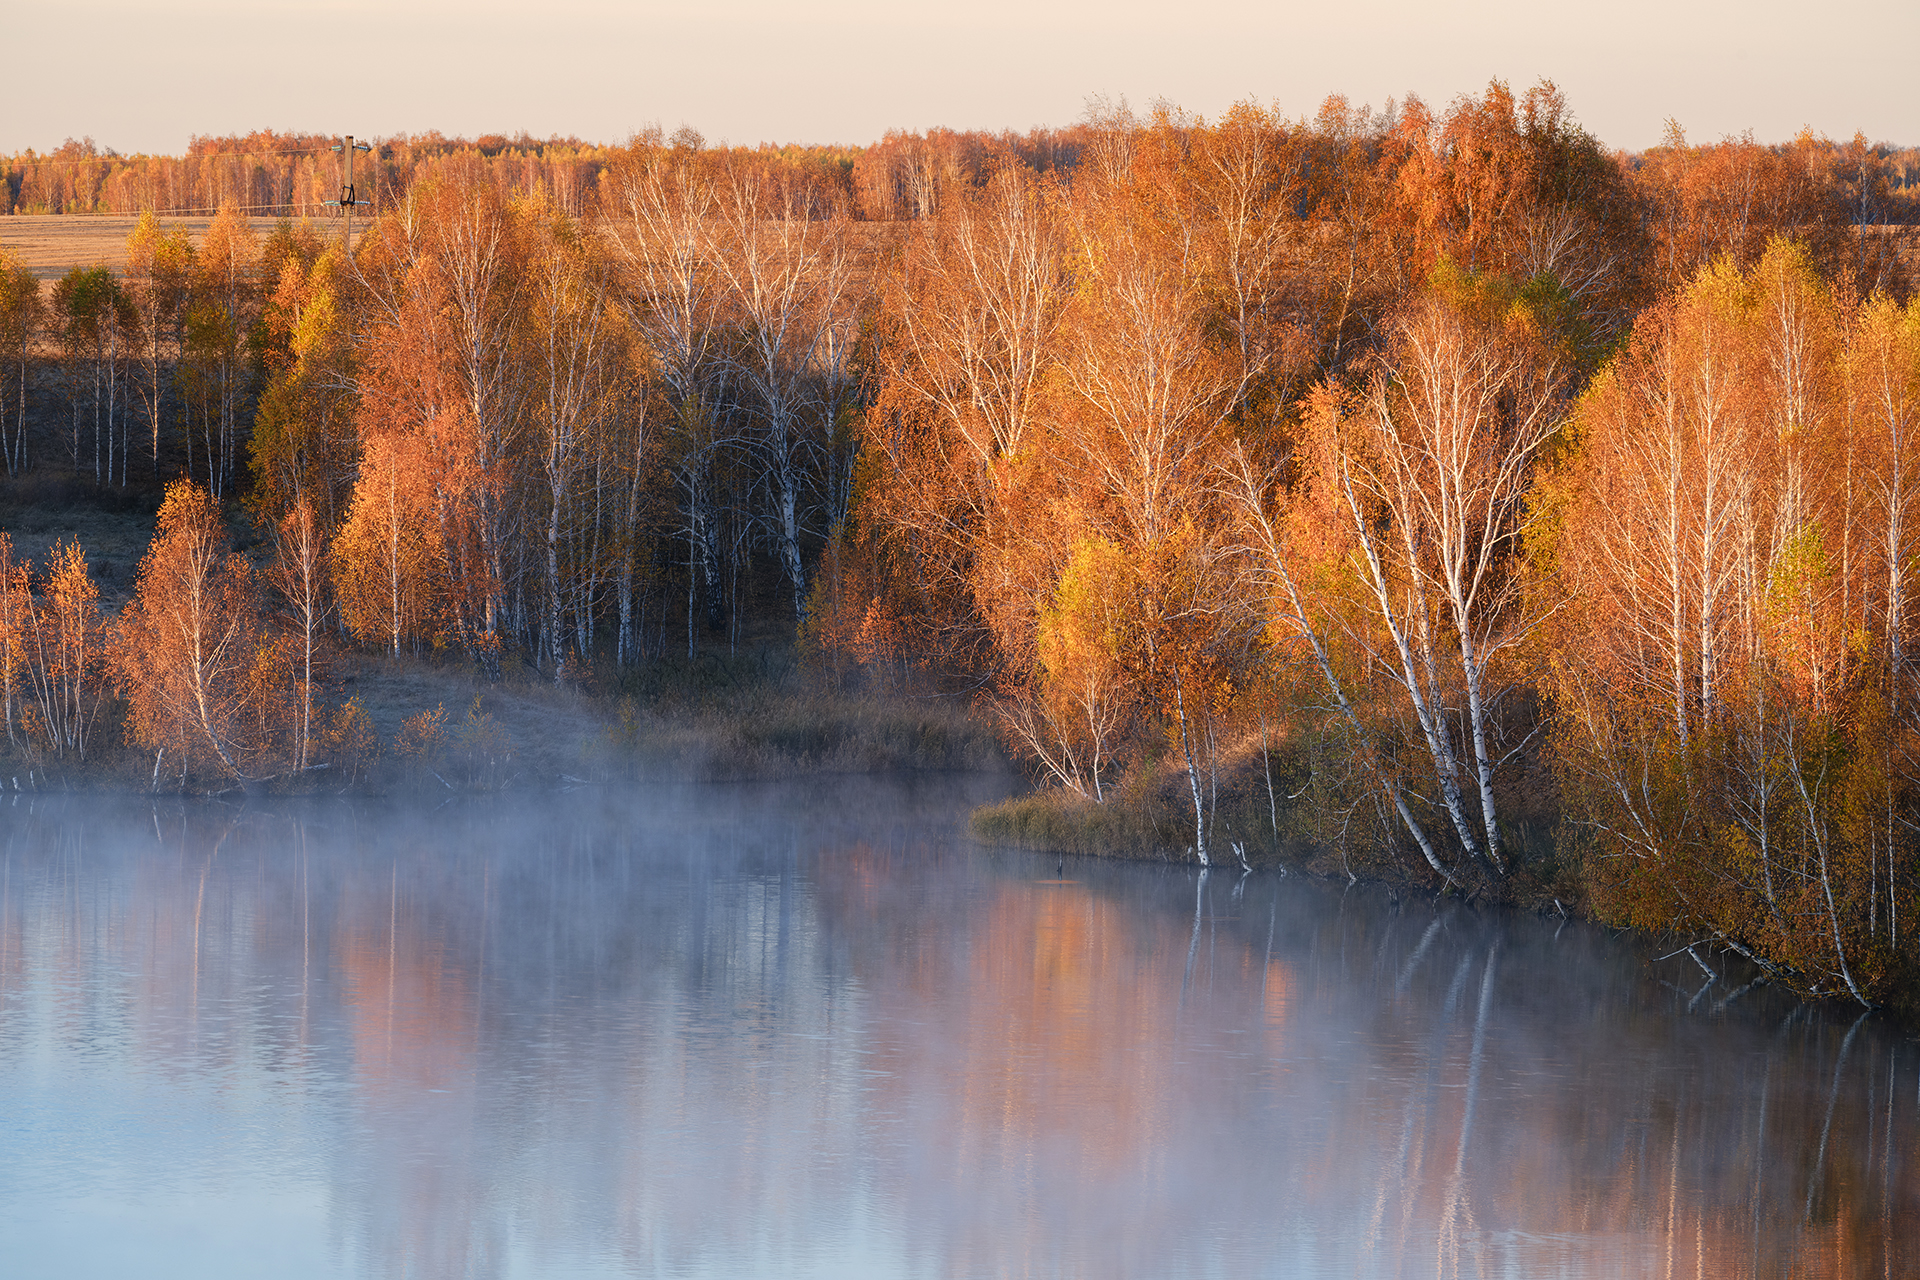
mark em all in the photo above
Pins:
pixel 1505 513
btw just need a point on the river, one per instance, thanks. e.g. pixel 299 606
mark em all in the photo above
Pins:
pixel 810 1030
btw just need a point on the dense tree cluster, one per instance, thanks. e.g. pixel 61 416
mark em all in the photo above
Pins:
pixel 1340 441
pixel 1422 456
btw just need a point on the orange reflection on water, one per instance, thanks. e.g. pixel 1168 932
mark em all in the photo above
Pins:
pixel 411 1011
pixel 410 1006
pixel 1055 1014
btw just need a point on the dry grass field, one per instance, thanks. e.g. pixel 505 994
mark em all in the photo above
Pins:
pixel 50 244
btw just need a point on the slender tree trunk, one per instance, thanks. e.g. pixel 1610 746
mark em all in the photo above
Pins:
pixel 554 640
pixel 1193 771
pixel 1266 761
pixel 1471 667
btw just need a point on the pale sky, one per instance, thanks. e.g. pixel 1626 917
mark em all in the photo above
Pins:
pixel 142 76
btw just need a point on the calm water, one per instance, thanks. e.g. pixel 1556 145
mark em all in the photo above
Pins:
pixel 808 1030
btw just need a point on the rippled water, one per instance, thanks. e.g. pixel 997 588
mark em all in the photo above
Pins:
pixel 809 1030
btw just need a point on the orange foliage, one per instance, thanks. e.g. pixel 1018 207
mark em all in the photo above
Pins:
pixel 1109 426
pixel 384 558
pixel 185 648
pixel 1737 714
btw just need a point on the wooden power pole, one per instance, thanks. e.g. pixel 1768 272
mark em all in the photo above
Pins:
pixel 346 147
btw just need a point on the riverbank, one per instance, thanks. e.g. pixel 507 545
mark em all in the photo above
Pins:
pixel 1267 807
pixel 1279 821
pixel 388 726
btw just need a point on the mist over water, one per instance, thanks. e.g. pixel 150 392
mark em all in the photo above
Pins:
pixel 808 1029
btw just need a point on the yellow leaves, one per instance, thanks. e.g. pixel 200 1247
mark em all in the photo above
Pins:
pixel 1722 289
pixel 56 645
pixel 228 251
pixel 189 519
pixel 350 741
pixel 423 735
pixel 69 587
pixel 1787 265
pixel 1737 534
pixel 479 743
pixel 877 639
pixel 142 243
pixel 316 331
pixel 1798 571
pixel 186 645
pixel 384 556
pixel 1089 625
pixel 1884 355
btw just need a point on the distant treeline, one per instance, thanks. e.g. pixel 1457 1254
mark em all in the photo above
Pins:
pixel 267 173
pixel 1432 469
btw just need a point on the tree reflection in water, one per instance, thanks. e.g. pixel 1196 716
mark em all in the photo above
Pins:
pixel 807 1030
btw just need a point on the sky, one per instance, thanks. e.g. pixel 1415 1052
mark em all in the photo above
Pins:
pixel 136 75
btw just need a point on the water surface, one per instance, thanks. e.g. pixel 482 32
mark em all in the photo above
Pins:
pixel 808 1030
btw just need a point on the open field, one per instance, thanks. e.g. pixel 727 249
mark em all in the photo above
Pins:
pixel 52 243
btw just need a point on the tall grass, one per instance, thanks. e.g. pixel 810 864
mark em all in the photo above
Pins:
pixel 760 714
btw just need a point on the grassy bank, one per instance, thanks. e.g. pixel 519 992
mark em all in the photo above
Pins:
pixel 438 726
pixel 761 714
pixel 1270 801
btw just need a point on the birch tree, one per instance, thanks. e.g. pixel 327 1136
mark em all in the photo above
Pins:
pixel 61 637
pixel 1434 469
pixel 570 321
pixel 789 279
pixel 298 575
pixel 21 311
pixel 662 200
pixel 185 648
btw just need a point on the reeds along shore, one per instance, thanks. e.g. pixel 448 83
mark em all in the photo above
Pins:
pixel 1424 480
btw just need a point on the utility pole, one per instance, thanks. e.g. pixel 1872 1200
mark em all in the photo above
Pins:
pixel 346 147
